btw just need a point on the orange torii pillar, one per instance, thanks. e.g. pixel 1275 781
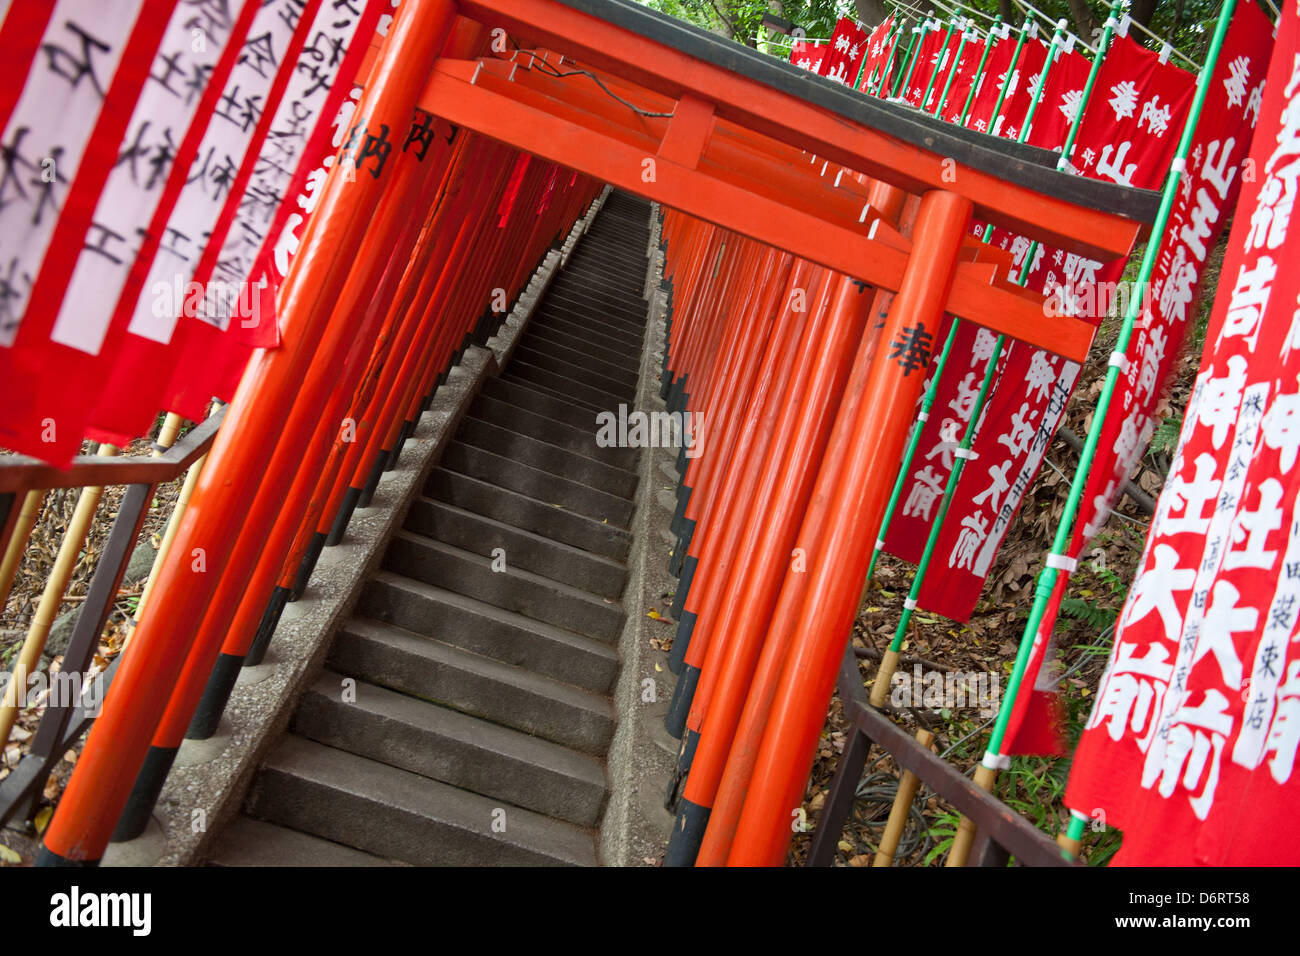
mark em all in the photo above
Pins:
pixel 249 452
pixel 837 566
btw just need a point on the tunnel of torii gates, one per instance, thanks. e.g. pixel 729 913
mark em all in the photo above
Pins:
pixel 719 134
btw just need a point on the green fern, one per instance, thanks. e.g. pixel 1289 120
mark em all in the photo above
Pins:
pixel 1165 438
pixel 1094 615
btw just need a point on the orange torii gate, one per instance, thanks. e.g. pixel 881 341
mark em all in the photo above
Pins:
pixel 712 129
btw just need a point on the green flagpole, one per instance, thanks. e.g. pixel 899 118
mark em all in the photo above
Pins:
pixel 947 84
pixel 929 87
pixel 910 452
pixel 979 70
pixel 994 760
pixel 917 40
pixel 891 41
pixel 889 662
pixel 1067 151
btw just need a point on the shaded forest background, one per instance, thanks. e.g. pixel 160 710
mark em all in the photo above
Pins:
pixel 1185 23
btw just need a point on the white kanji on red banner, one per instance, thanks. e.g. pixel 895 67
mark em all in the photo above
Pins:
pixel 1195 759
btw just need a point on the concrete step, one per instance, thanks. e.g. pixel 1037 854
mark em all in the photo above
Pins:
pixel 580 441
pixel 542 599
pixel 594 316
pixel 562 395
pixel 621 387
pixel 401 815
pixel 518 509
pixel 453 748
pixel 523 549
pixel 608 296
pixel 629 259
pixel 489 631
pixel 391 657
pixel 536 483
pixel 249 842
pixel 541 401
pixel 598 398
pixel 538 341
pixel 538 454
pixel 583 345
pixel 563 320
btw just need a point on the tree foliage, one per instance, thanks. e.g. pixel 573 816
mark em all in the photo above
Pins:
pixel 1187 24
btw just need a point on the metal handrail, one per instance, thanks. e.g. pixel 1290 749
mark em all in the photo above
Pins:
pixel 63 723
pixel 20 473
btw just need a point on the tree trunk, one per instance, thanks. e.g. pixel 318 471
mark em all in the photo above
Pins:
pixel 870 12
pixel 1085 25
pixel 1141 11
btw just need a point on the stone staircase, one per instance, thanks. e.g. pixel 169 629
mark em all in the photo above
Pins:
pixel 464 711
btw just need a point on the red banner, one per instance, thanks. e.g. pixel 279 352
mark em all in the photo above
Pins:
pixel 807 55
pixel 923 65
pixel 61 146
pixel 1192 743
pixel 1027 404
pixel 964 76
pixel 844 53
pixel 198 349
pixel 1207 194
pixel 879 46
pixel 1061 99
pixel 1020 92
pixel 989 84
pixel 1131 126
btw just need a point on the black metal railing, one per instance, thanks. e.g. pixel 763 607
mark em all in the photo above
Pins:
pixel 1002 832
pixel 65 721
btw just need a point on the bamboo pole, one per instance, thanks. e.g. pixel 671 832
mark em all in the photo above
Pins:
pixel 908 784
pixel 166 438
pixel 994 759
pixel 31 509
pixel 55 584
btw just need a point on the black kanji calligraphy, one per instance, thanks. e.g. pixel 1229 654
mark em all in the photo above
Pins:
pixel 912 349
pixel 76 66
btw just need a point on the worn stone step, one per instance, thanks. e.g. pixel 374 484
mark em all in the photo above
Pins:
pixel 598 398
pixel 489 631
pixel 480 686
pixel 542 599
pixel 629 263
pixel 621 301
pixel 544 341
pixel 580 321
pixel 538 454
pixel 623 389
pixel 564 395
pixel 541 401
pixel 456 749
pixel 564 323
pixel 581 441
pixel 583 345
pixel 401 815
pixel 593 316
pixel 518 509
pixel 536 483
pixel 249 842
pixel 537 553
